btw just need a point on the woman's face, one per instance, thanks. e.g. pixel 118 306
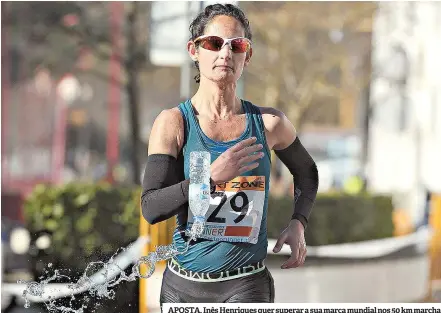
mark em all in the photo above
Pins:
pixel 224 66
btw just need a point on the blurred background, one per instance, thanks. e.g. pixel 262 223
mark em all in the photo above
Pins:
pixel 82 83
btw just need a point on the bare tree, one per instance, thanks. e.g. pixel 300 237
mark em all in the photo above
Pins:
pixel 57 32
pixel 301 49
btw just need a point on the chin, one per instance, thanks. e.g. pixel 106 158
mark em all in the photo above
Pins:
pixel 222 78
pixel 228 78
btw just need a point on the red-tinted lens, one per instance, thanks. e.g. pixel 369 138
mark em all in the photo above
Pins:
pixel 212 43
pixel 215 43
pixel 240 45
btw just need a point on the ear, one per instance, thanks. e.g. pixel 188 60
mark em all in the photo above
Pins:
pixel 248 57
pixel 192 50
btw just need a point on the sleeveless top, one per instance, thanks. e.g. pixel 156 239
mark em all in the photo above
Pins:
pixel 235 233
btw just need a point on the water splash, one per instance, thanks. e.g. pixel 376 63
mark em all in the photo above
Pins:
pixel 97 278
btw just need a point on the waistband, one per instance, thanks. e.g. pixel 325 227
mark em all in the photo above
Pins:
pixel 250 269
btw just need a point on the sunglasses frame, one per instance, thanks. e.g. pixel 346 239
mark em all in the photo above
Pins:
pixel 227 41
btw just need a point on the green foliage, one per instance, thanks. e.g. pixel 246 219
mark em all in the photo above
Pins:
pixel 90 222
pixel 337 218
pixel 87 221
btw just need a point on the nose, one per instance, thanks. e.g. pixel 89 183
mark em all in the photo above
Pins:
pixel 225 52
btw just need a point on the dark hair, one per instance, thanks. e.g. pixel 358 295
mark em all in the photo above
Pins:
pixel 197 27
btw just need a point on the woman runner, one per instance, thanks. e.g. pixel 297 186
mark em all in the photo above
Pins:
pixel 227 264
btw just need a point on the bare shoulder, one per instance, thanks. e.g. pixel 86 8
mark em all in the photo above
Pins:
pixel 279 130
pixel 272 117
pixel 167 134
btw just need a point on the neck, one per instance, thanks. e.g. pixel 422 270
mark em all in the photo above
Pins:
pixel 216 102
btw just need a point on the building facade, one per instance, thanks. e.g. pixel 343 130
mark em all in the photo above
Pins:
pixel 405 100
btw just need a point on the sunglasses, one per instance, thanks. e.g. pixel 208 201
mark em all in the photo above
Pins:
pixel 216 43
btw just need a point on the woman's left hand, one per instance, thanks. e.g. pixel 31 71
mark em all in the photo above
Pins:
pixel 294 236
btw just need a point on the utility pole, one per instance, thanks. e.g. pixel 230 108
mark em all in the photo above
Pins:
pixel 114 101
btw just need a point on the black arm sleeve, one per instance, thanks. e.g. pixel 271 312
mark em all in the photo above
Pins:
pixel 306 180
pixel 165 192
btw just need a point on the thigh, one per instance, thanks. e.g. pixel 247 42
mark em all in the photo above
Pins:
pixel 257 288
pixel 169 293
pixel 176 289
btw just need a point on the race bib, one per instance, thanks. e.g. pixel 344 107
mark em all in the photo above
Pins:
pixel 235 211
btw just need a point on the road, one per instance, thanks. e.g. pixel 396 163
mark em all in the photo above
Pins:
pixel 389 280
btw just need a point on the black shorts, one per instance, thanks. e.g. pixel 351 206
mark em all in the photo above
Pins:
pixel 254 288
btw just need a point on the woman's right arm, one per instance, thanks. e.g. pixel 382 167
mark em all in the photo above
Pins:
pixel 163 194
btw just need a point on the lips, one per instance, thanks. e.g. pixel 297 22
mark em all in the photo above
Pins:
pixel 224 66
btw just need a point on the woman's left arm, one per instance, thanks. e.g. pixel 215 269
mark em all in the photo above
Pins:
pixel 287 146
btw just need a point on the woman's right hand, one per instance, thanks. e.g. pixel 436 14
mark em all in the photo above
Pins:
pixel 238 159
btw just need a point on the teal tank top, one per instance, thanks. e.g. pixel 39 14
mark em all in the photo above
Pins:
pixel 235 234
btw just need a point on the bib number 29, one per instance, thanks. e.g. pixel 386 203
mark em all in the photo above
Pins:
pixel 243 208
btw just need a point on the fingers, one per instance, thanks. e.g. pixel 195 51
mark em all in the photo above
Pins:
pixel 292 261
pixel 248 168
pixel 242 144
pixel 251 158
pixel 303 257
pixel 297 258
pixel 248 150
pixel 246 154
pixel 279 244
